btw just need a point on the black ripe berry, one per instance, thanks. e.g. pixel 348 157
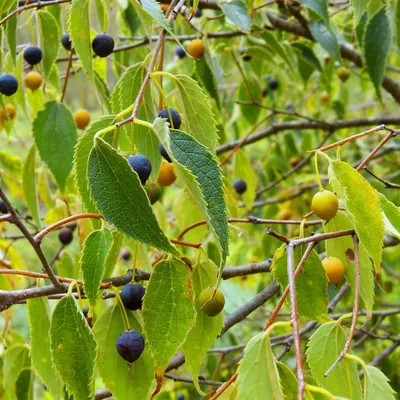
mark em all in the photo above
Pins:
pixel 176 118
pixel 264 92
pixel 240 186
pixel 103 45
pixel 245 56
pixel 180 396
pixel 66 41
pixel 164 153
pixel 126 255
pixel 273 84
pixel 130 345
pixel 33 55
pixel 65 236
pixel 8 84
pixel 180 52
pixel 132 296
pixel 198 14
pixel 141 165
pixel 3 208
pixel 85 312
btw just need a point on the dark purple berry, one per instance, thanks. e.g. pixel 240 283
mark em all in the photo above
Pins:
pixel 180 396
pixel 3 208
pixel 141 165
pixel 33 55
pixel 85 311
pixel 245 56
pixel 132 296
pixel 180 52
pixel 8 84
pixel 264 92
pixel 130 345
pixel 103 45
pixel 163 152
pixel 198 13
pixel 126 255
pixel 240 186
pixel 176 118
pixel 273 84
pixel 65 235
pixel 66 41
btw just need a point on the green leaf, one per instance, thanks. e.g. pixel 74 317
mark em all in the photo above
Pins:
pixel 376 385
pixel 244 170
pixel 340 247
pixel 113 254
pixel 362 204
pixel 29 186
pixel 124 381
pixel 199 171
pixel 288 381
pixel 102 15
pixel 50 35
pixel 16 360
pixel 39 328
pixel 391 216
pixel 237 13
pixel 168 311
pixel 376 47
pixel 320 7
pixel 206 329
pixel 81 158
pixel 311 284
pixel 258 374
pixel 359 7
pixel 200 122
pixel 73 348
pixel 95 250
pixel 323 349
pixel 119 195
pixel 55 136
pixel 79 28
pixel 326 38
pixel 10 28
pixel 249 112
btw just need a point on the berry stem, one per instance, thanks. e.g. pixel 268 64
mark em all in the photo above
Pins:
pixel 122 308
pixel 67 75
pixel 317 172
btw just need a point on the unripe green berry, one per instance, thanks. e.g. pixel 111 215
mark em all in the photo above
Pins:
pixel 211 301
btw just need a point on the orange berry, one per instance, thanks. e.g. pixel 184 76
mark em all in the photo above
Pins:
pixel 11 111
pixel 334 269
pixel 164 7
pixel 324 97
pixel 196 48
pixel 294 161
pixel 325 204
pixel 33 80
pixel 166 176
pixel 82 119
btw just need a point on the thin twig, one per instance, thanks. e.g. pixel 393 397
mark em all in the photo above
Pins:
pixel 67 75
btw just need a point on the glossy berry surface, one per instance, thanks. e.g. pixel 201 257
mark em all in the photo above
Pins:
pixel 240 186
pixel 180 52
pixel 103 45
pixel 66 236
pixel 171 114
pixel 130 345
pixel 325 204
pixel 82 119
pixel 196 48
pixel 198 13
pixel 66 41
pixel 132 296
pixel 141 165
pixel 3 208
pixel 33 55
pixel 153 191
pixel 33 80
pixel 164 153
pixel 85 311
pixel 166 176
pixel 245 56
pixel 273 84
pixel 8 84
pixel 334 269
pixel 210 303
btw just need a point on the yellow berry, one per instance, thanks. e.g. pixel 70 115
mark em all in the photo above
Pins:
pixel 285 214
pixel 343 73
pixel 334 269
pixel 166 176
pixel 196 48
pixel 211 301
pixel 33 80
pixel 82 119
pixel 325 204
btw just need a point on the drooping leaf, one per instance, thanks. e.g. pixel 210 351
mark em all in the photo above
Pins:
pixel 320 7
pixel 113 254
pixel 376 385
pixel 50 40
pixel 124 381
pixel 10 28
pixel 94 254
pixel 391 216
pixel 29 185
pixel 237 13
pixel 326 38
pixel 376 47
pixel 258 374
pixel 311 284
pixel 55 136
pixel 119 195
pixel 362 204
pixel 168 311
pixel 73 348
pixel 39 328
pixel 288 381
pixel 206 329
pixel 323 349
pixel 359 7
